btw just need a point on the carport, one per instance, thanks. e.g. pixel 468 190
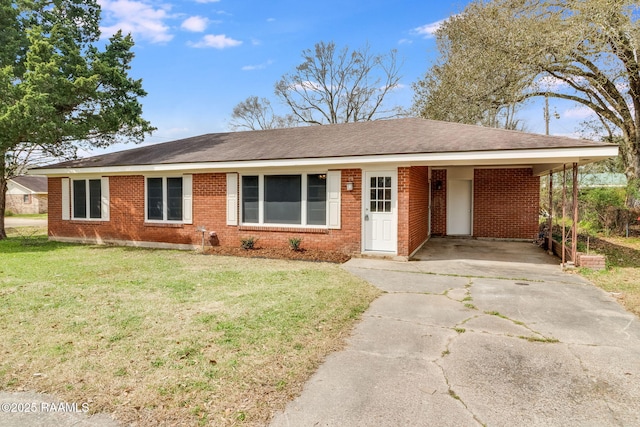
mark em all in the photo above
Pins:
pixel 484 258
pixel 502 207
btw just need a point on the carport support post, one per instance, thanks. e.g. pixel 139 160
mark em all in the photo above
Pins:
pixel 564 213
pixel 574 231
pixel 550 222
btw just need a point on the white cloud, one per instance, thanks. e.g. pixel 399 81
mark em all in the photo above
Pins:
pixel 136 17
pixel 271 19
pixel 216 41
pixel 550 83
pixel 405 41
pixel 429 30
pixel 196 24
pixel 574 135
pixel 306 85
pixel 207 1
pixel 580 112
pixel 554 84
pixel 257 67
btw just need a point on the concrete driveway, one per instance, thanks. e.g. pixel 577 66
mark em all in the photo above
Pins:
pixel 11 221
pixel 479 333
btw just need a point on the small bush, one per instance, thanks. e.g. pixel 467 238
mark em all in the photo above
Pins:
pixel 294 243
pixel 603 209
pixel 248 242
pixel 8 213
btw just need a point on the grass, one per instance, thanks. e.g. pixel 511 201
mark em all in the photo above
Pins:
pixel 30 216
pixel 167 337
pixel 622 276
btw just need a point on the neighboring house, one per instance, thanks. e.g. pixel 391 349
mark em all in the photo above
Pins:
pixel 27 195
pixel 604 179
pixel 367 187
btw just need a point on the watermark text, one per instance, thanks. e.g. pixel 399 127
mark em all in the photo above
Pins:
pixel 47 407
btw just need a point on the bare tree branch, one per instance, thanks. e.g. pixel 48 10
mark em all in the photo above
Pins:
pixel 339 86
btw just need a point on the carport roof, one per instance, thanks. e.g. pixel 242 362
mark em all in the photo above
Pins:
pixel 382 139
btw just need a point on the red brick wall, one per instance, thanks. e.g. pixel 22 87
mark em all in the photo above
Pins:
pixel 595 262
pixel 209 209
pixel 346 239
pixel 506 203
pixel 413 208
pixel 439 203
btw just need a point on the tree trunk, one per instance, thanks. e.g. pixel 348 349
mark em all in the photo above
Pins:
pixel 631 155
pixel 3 196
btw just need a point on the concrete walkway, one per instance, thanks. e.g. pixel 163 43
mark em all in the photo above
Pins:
pixel 479 333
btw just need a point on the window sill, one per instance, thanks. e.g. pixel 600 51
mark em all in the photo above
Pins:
pixel 287 229
pixel 164 224
pixel 96 221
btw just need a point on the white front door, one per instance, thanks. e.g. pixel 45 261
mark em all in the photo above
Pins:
pixel 459 207
pixel 380 211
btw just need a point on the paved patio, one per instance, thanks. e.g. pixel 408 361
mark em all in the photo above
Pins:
pixel 479 333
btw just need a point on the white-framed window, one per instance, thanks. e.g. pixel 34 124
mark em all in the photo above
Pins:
pixel 86 198
pixel 168 199
pixel 302 199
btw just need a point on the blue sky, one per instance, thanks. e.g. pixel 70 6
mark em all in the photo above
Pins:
pixel 199 58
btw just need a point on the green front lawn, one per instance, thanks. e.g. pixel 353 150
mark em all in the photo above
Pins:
pixel 30 216
pixel 622 276
pixel 168 337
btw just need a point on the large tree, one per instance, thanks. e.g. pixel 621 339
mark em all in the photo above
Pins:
pixel 340 85
pixel 257 113
pixel 58 90
pixel 499 53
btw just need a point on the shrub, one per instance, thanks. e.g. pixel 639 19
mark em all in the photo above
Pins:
pixel 8 213
pixel 294 243
pixel 248 242
pixel 603 209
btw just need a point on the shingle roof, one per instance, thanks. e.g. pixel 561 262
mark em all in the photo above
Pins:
pixel 382 137
pixel 35 183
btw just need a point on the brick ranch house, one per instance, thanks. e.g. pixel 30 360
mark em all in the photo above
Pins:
pixel 369 187
pixel 27 195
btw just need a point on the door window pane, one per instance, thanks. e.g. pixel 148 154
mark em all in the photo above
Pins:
pixel 174 199
pixel 250 199
pixel 282 199
pixel 380 194
pixel 154 199
pixel 79 198
pixel 95 198
pixel 316 199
